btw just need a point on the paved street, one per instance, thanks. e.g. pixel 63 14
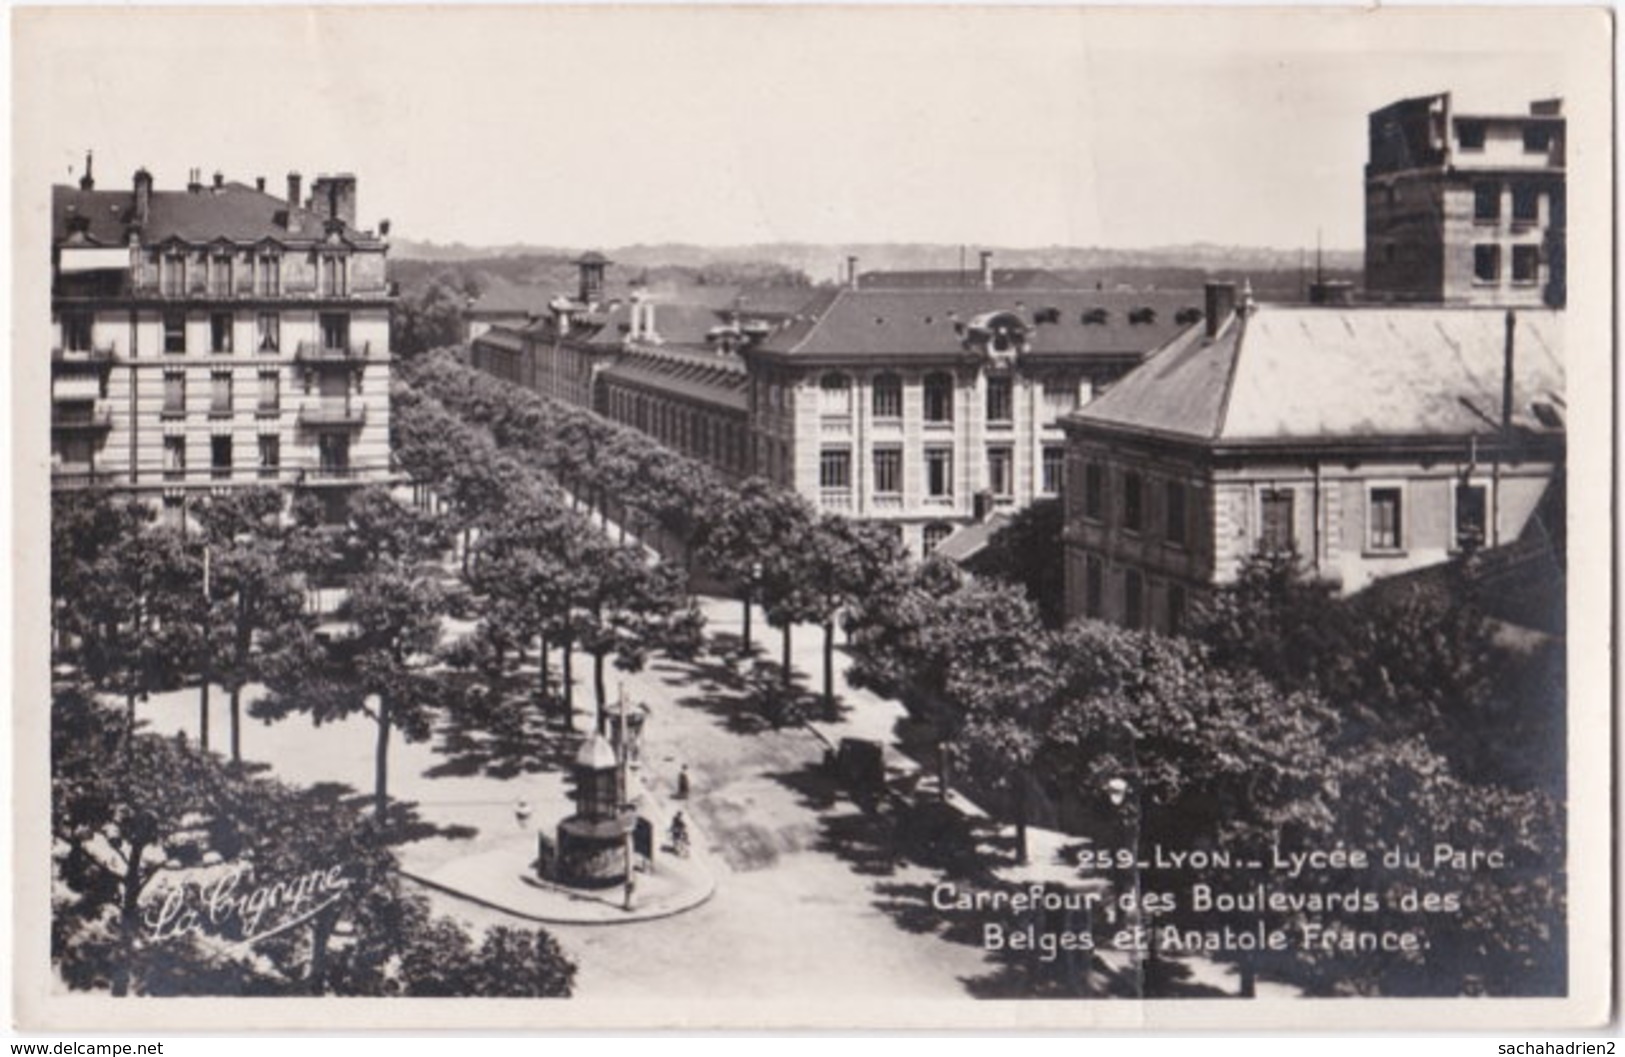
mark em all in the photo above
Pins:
pixel 807 903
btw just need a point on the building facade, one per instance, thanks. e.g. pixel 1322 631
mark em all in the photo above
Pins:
pixel 926 405
pixel 1369 441
pixel 1466 208
pixel 217 336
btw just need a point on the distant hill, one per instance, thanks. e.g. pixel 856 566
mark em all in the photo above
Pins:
pixel 827 261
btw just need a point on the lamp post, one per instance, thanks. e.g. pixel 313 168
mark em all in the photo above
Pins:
pixel 751 586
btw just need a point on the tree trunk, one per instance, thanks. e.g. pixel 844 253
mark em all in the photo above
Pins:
pixel 943 752
pixel 1021 818
pixel 541 671
pixel 786 664
pixel 569 684
pixel 747 624
pixel 600 693
pixel 203 713
pixel 320 934
pixel 129 717
pixel 467 535
pixel 236 724
pixel 1249 978
pixel 829 666
pixel 381 760
pixel 129 919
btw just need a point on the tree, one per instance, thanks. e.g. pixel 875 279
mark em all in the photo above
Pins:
pixel 131 614
pixel 752 535
pixel 431 319
pixel 255 593
pixel 140 831
pixel 1027 551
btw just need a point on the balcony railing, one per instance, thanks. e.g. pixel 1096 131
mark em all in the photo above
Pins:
pixel 887 501
pixel 76 388
pixel 94 420
pixel 319 352
pixel 333 413
pixel 835 499
pixel 97 354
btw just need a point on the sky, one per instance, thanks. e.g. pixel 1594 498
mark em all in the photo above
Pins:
pixel 608 126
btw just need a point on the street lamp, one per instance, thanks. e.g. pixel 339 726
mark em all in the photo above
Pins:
pixel 750 596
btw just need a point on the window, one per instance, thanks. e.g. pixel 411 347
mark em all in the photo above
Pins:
pixel 220 394
pixel 1486 202
pixel 174 458
pixel 834 394
pixel 939 472
pixel 1133 502
pixel 220 332
pixel 270 396
pixel 1000 472
pixel 1486 263
pixel 1525 264
pixel 174 331
pixel 939 397
pixel 270 454
pixel 1470 135
pixel 999 404
pixel 268 332
pixel 835 469
pixel 888 396
pixel 1275 520
pixel 1525 203
pixel 219 457
pixel 1177 607
pixel 268 275
pixel 76 331
pixel 1537 139
pixel 1133 599
pixel 335 331
pixel 1060 398
pixel 172 272
pixel 935 533
pixel 888 471
pixel 1054 465
pixel 1094 491
pixel 1175 510
pixel 220 275
pixel 333 454
pixel 334 275
pixel 1471 520
pixel 174 393
pixel 1094 587
pixel 1383 516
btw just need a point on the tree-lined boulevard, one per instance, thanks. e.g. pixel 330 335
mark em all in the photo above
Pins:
pixel 445 647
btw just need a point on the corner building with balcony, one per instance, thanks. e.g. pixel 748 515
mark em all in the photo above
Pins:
pixel 218 336
pixel 1466 208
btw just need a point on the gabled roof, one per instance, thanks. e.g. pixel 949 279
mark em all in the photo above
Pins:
pixel 847 324
pixel 233 211
pixel 1296 373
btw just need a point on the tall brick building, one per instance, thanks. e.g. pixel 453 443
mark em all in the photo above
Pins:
pixel 217 335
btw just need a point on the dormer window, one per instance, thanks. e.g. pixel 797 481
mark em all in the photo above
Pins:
pixel 1142 315
pixel 1470 135
pixel 1096 317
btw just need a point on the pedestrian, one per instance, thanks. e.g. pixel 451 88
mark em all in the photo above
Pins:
pixel 682 783
pixel 631 889
pixel 521 813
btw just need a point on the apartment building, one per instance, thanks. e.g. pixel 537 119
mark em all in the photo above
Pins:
pixel 218 335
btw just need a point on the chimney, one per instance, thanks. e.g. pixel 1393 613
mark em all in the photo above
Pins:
pixel 219 180
pixel 293 190
pixel 1221 305
pixel 194 181
pixel 143 196
pixel 987 269
pixel 87 182
pixel 259 184
pixel 335 197
pixel 852 271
